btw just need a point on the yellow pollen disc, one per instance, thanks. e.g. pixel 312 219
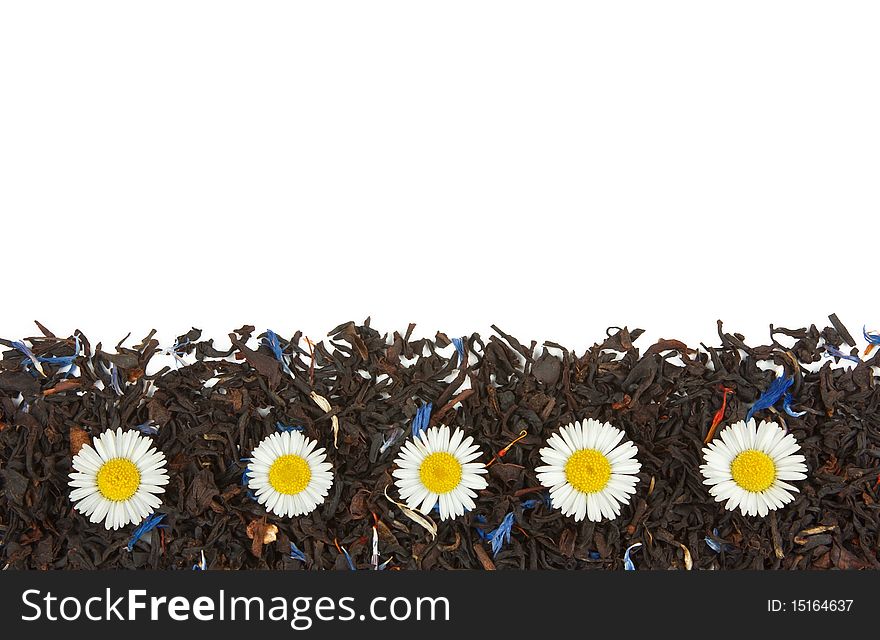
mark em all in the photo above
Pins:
pixel 753 470
pixel 290 474
pixel 588 470
pixel 118 479
pixel 440 472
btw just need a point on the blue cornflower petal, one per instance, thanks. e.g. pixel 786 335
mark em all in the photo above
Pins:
pixel 422 418
pixel 767 399
pixel 480 519
pixel 245 475
pixel 114 380
pixel 873 338
pixel 459 347
pixel 393 435
pixel 284 427
pixel 27 353
pixel 715 546
pixel 272 341
pixel 627 559
pixel 297 554
pixel 786 405
pixel 837 353
pixel 64 361
pixel 148 428
pixel 61 361
pixel 595 555
pixel 149 523
pixel 498 537
pixel 177 351
pixel 348 559
pixel 531 503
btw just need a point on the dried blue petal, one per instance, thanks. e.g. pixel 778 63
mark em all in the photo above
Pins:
pixel 63 361
pixel 459 346
pixel 59 361
pixel 715 546
pixel 384 565
pixel 245 475
pixel 272 341
pixel 348 559
pixel 177 351
pixel 284 427
pixel 837 353
pixel 149 523
pixel 297 554
pixel 202 565
pixel 779 386
pixel 786 405
pixel 422 418
pixel 871 337
pixel 627 560
pixel 114 380
pixel 393 435
pixel 480 519
pixel 148 428
pixel 27 353
pixel 531 503
pixel 595 555
pixel 498 537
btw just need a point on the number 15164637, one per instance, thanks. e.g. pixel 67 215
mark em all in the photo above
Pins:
pixel 810 605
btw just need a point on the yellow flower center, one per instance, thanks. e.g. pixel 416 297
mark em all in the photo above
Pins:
pixel 290 474
pixel 588 470
pixel 753 470
pixel 118 479
pixel 440 472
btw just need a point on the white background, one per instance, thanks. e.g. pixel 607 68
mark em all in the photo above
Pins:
pixel 554 168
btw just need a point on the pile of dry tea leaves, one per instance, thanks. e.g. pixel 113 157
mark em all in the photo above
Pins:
pixel 210 407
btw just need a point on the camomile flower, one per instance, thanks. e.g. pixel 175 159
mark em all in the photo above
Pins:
pixel 117 478
pixel 588 471
pixel 437 466
pixel 749 466
pixel 288 475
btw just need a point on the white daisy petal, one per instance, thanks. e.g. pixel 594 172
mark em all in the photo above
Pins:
pixel 115 479
pixel 440 467
pixel 602 475
pixel 288 474
pixel 748 465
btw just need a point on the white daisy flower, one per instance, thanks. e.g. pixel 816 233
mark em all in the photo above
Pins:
pixel 749 465
pixel 288 475
pixel 435 466
pixel 116 479
pixel 588 471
